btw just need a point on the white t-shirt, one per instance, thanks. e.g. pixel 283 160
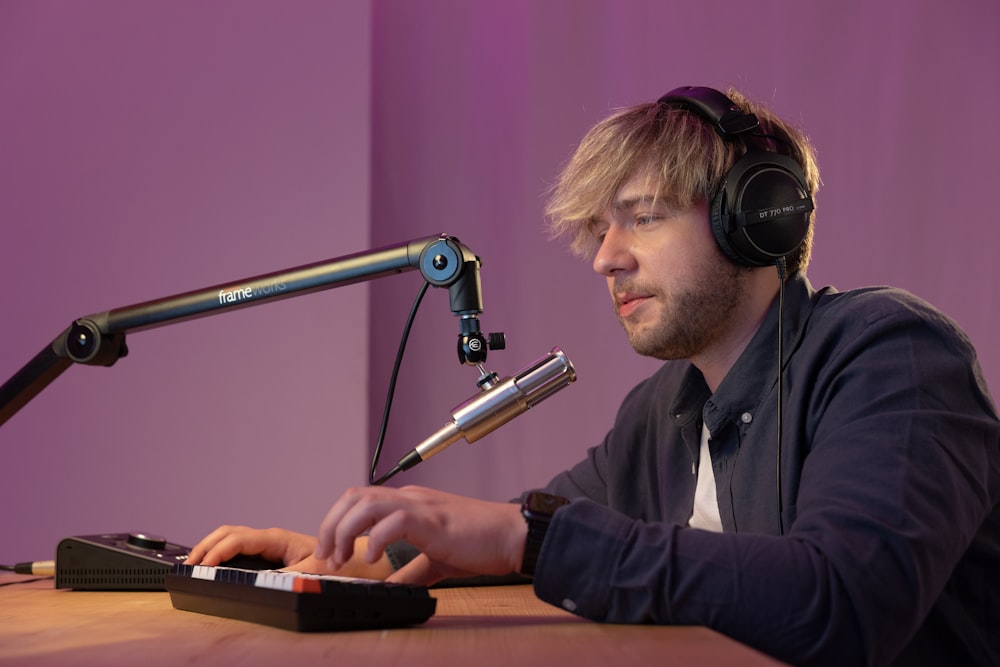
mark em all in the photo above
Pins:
pixel 705 514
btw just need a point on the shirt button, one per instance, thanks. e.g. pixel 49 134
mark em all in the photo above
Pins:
pixel 746 417
pixel 569 605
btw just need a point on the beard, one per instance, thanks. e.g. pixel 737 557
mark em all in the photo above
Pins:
pixel 691 318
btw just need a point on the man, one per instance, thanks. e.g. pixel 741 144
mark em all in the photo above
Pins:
pixel 840 507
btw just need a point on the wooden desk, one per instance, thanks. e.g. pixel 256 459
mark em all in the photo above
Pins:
pixel 503 626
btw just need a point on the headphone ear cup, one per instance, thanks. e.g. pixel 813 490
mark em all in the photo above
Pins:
pixel 743 212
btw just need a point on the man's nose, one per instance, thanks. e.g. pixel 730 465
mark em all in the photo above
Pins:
pixel 614 254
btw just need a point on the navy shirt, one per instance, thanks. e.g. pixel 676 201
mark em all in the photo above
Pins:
pixel 885 546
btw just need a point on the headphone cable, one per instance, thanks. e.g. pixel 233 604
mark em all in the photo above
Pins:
pixel 780 263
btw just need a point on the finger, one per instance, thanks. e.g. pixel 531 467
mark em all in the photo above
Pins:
pixel 362 517
pixel 354 514
pixel 326 537
pixel 297 546
pixel 226 548
pixel 197 553
pixel 395 523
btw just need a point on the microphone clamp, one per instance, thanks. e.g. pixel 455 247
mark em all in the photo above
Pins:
pixel 473 346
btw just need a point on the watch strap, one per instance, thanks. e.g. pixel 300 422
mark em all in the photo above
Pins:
pixel 537 510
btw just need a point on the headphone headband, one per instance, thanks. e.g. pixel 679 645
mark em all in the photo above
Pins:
pixel 728 119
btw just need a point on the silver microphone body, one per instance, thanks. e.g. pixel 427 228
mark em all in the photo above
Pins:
pixel 500 403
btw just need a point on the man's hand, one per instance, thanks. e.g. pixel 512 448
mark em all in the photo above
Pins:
pixel 457 536
pixel 275 544
pixel 294 550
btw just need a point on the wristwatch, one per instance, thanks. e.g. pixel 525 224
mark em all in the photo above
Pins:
pixel 537 510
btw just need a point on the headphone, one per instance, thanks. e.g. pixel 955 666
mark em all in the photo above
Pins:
pixel 761 212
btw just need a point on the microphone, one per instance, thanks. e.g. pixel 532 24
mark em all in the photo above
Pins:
pixel 501 401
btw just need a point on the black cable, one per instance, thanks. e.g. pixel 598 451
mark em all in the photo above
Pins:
pixel 392 390
pixel 43 568
pixel 23 581
pixel 781 311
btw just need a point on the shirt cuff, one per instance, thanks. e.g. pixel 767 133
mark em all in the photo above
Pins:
pixel 577 559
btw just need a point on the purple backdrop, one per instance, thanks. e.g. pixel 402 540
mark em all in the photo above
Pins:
pixel 152 148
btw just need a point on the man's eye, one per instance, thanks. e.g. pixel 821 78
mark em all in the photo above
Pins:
pixel 645 219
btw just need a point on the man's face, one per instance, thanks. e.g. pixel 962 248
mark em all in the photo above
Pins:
pixel 673 290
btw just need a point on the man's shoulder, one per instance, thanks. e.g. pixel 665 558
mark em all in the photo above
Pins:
pixel 869 304
pixel 874 312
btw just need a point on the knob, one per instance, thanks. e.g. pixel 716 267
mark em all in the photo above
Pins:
pixel 144 541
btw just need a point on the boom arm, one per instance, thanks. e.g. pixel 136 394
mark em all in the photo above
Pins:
pixel 99 339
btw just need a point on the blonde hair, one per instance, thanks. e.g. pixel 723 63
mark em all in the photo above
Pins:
pixel 687 158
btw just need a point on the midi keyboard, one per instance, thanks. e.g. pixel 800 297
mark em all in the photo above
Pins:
pixel 297 601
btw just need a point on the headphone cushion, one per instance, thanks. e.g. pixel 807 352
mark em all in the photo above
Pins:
pixel 715 217
pixel 759 181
